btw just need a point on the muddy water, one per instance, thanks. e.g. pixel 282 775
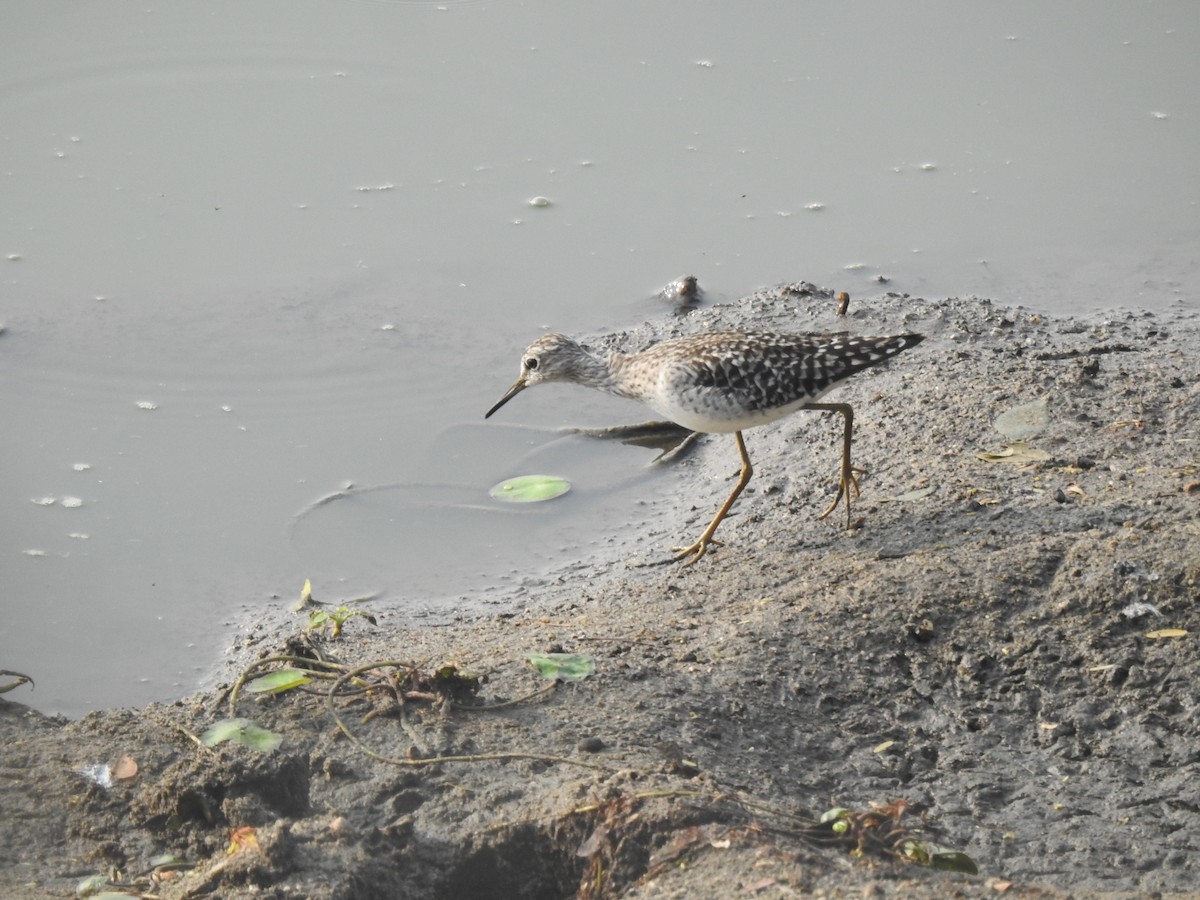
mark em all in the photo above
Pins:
pixel 252 253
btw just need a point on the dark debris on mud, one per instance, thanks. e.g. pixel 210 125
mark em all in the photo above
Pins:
pixel 981 653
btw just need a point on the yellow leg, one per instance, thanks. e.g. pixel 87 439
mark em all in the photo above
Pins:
pixel 847 480
pixel 689 555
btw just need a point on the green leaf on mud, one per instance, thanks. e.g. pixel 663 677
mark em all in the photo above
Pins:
pixel 276 682
pixel 838 819
pixel 937 857
pixel 1023 421
pixel 563 666
pixel 241 731
pixel 838 812
pixel 530 488
pixel 451 676
pixel 954 861
pixel 1017 452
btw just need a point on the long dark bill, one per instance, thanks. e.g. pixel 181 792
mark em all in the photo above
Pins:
pixel 518 386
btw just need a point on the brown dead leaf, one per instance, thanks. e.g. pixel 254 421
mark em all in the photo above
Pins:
pixel 1017 452
pixel 683 841
pixel 244 838
pixel 124 768
pixel 1167 633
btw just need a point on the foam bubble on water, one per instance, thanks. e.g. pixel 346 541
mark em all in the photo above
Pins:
pixel 97 773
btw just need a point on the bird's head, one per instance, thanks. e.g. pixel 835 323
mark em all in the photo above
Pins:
pixel 552 357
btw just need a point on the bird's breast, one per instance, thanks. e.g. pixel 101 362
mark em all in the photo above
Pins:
pixel 716 412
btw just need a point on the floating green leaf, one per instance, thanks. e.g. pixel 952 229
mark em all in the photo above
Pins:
pixel 563 666
pixel 530 488
pixel 281 680
pixel 241 731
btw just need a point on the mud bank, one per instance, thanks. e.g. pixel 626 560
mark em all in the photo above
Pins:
pixel 981 646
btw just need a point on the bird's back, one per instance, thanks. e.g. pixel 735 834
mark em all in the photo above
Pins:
pixel 728 381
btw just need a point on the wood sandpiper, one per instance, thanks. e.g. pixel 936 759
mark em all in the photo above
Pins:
pixel 721 383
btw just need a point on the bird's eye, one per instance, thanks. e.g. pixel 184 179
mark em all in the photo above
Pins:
pixel 531 363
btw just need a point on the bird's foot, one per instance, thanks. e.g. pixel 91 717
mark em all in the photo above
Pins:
pixel 689 555
pixel 845 485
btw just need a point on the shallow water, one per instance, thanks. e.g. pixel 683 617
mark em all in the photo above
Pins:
pixel 250 253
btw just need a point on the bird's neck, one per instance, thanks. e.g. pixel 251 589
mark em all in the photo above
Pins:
pixel 614 376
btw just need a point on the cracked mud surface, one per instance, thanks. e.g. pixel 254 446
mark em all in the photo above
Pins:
pixel 977 648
